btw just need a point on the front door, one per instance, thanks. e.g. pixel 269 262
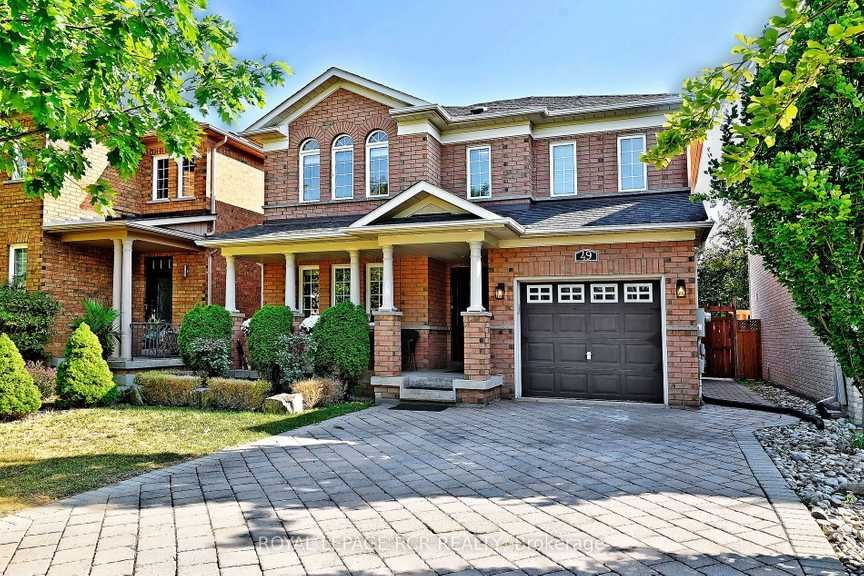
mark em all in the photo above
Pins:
pixel 460 296
pixel 158 288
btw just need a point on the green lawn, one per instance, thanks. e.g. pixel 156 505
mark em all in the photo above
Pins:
pixel 55 454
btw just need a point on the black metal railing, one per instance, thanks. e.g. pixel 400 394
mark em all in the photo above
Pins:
pixel 154 340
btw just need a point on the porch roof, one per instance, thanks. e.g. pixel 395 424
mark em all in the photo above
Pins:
pixel 108 230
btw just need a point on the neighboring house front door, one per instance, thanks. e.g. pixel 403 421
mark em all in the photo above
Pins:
pixel 158 288
pixel 460 297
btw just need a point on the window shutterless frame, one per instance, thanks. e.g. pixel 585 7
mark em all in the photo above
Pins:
pixel 14 250
pixel 621 187
pixel 341 144
pixel 369 267
pixel 301 293
pixel 184 165
pixel 308 148
pixel 468 151
pixel 377 141
pixel 157 177
pixel 552 147
pixel 333 282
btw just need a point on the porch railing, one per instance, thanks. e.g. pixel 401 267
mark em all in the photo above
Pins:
pixel 154 340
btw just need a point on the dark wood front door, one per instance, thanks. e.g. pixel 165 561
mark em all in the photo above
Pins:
pixel 460 296
pixel 158 288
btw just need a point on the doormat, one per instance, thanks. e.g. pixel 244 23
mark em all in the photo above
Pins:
pixel 420 406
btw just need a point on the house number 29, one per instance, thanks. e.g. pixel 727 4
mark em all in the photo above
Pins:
pixel 587 255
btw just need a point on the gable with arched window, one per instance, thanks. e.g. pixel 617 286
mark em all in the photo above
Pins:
pixel 310 171
pixel 342 168
pixel 377 164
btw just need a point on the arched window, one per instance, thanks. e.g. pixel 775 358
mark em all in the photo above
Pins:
pixel 377 164
pixel 310 171
pixel 342 168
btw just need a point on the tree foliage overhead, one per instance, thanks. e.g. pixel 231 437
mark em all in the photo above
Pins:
pixel 81 73
pixel 723 269
pixel 793 159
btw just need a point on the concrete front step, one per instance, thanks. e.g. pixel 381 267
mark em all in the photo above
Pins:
pixel 427 394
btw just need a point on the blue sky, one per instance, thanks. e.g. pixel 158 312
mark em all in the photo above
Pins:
pixel 465 51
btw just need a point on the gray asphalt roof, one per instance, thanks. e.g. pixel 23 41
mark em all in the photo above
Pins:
pixel 558 103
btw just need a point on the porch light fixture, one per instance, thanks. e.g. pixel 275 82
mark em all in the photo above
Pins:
pixel 680 288
pixel 185 271
pixel 499 291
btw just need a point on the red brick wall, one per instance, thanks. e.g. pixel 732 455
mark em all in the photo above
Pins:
pixel 20 223
pixel 512 167
pixel 673 259
pixel 247 272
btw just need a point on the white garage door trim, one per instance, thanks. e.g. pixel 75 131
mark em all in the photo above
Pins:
pixel 517 306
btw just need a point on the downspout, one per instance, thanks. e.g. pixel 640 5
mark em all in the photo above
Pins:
pixel 211 177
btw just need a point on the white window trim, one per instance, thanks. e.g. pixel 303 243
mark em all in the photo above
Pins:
pixel 369 148
pixel 581 298
pixel 12 249
pixel 300 270
pixel 539 287
pixel 156 160
pixel 601 300
pixel 333 150
pixel 644 165
pixel 552 146
pixel 181 162
pixel 468 150
pixel 302 154
pixel 14 176
pixel 370 266
pixel 333 269
pixel 639 285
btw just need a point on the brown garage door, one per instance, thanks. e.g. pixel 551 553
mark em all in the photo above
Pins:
pixel 592 340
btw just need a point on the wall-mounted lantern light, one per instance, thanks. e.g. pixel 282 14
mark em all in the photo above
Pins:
pixel 499 291
pixel 185 271
pixel 680 288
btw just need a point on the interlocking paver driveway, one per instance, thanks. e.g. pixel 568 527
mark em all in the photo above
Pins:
pixel 516 488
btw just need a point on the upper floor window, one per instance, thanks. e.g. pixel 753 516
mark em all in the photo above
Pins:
pixel 562 166
pixel 310 171
pixel 186 178
pixel 343 168
pixel 19 165
pixel 479 172
pixel 632 172
pixel 17 264
pixel 377 164
pixel 160 177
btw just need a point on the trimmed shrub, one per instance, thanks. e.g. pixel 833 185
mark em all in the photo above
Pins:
pixel 44 377
pixel 342 339
pixel 295 358
pixel 84 378
pixel 334 391
pixel 101 320
pixel 210 356
pixel 18 395
pixel 231 394
pixel 266 327
pixel 28 319
pixel 319 391
pixel 164 389
pixel 203 321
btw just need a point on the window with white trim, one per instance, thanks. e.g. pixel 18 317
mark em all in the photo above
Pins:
pixel 562 168
pixel 539 294
pixel 604 293
pixel 19 164
pixel 479 159
pixel 310 282
pixel 374 286
pixel 632 172
pixel 574 293
pixel 638 292
pixel 341 284
pixel 310 171
pixel 342 168
pixel 186 178
pixel 17 265
pixel 377 164
pixel 161 168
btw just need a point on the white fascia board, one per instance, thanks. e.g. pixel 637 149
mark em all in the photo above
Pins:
pixel 622 228
pixel 600 125
pixel 175 220
pixel 520 129
pixel 118 224
pixel 287 237
pixel 410 127
pixel 432 226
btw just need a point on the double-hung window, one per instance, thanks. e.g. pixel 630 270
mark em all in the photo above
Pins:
pixel 374 286
pixel 562 168
pixel 377 164
pixel 19 165
pixel 161 168
pixel 310 282
pixel 341 284
pixel 632 172
pixel 342 168
pixel 479 160
pixel 310 171
pixel 17 264
pixel 186 179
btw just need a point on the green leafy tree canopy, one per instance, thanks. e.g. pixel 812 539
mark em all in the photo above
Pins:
pixel 108 72
pixel 723 267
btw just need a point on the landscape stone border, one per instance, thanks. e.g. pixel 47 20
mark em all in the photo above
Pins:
pixel 811 547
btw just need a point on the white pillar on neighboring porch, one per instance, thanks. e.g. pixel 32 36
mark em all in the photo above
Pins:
pixel 230 284
pixel 116 286
pixel 355 276
pixel 476 277
pixel 387 288
pixel 291 281
pixel 126 301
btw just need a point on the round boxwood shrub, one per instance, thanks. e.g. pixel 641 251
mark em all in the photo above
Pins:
pixel 203 321
pixel 84 378
pixel 342 342
pixel 19 396
pixel 266 329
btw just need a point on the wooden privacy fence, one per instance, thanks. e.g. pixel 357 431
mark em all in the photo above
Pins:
pixel 733 348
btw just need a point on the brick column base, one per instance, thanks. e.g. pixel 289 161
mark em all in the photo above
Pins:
pixel 388 343
pixel 683 368
pixel 239 351
pixel 478 360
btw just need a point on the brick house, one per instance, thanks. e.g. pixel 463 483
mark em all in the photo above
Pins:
pixel 516 248
pixel 142 258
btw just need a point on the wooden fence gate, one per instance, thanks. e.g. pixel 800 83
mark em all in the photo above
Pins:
pixel 733 348
pixel 748 349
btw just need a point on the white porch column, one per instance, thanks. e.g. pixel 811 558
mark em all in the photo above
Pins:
pixel 126 301
pixel 291 281
pixel 387 288
pixel 355 276
pixel 116 287
pixel 476 277
pixel 230 284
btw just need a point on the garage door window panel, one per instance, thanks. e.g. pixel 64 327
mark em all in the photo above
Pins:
pixel 638 292
pixel 574 293
pixel 604 293
pixel 540 294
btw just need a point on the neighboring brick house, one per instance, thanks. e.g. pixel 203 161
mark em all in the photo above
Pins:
pixel 516 248
pixel 143 258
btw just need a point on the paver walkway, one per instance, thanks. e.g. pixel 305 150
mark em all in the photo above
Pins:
pixel 516 488
pixel 731 391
